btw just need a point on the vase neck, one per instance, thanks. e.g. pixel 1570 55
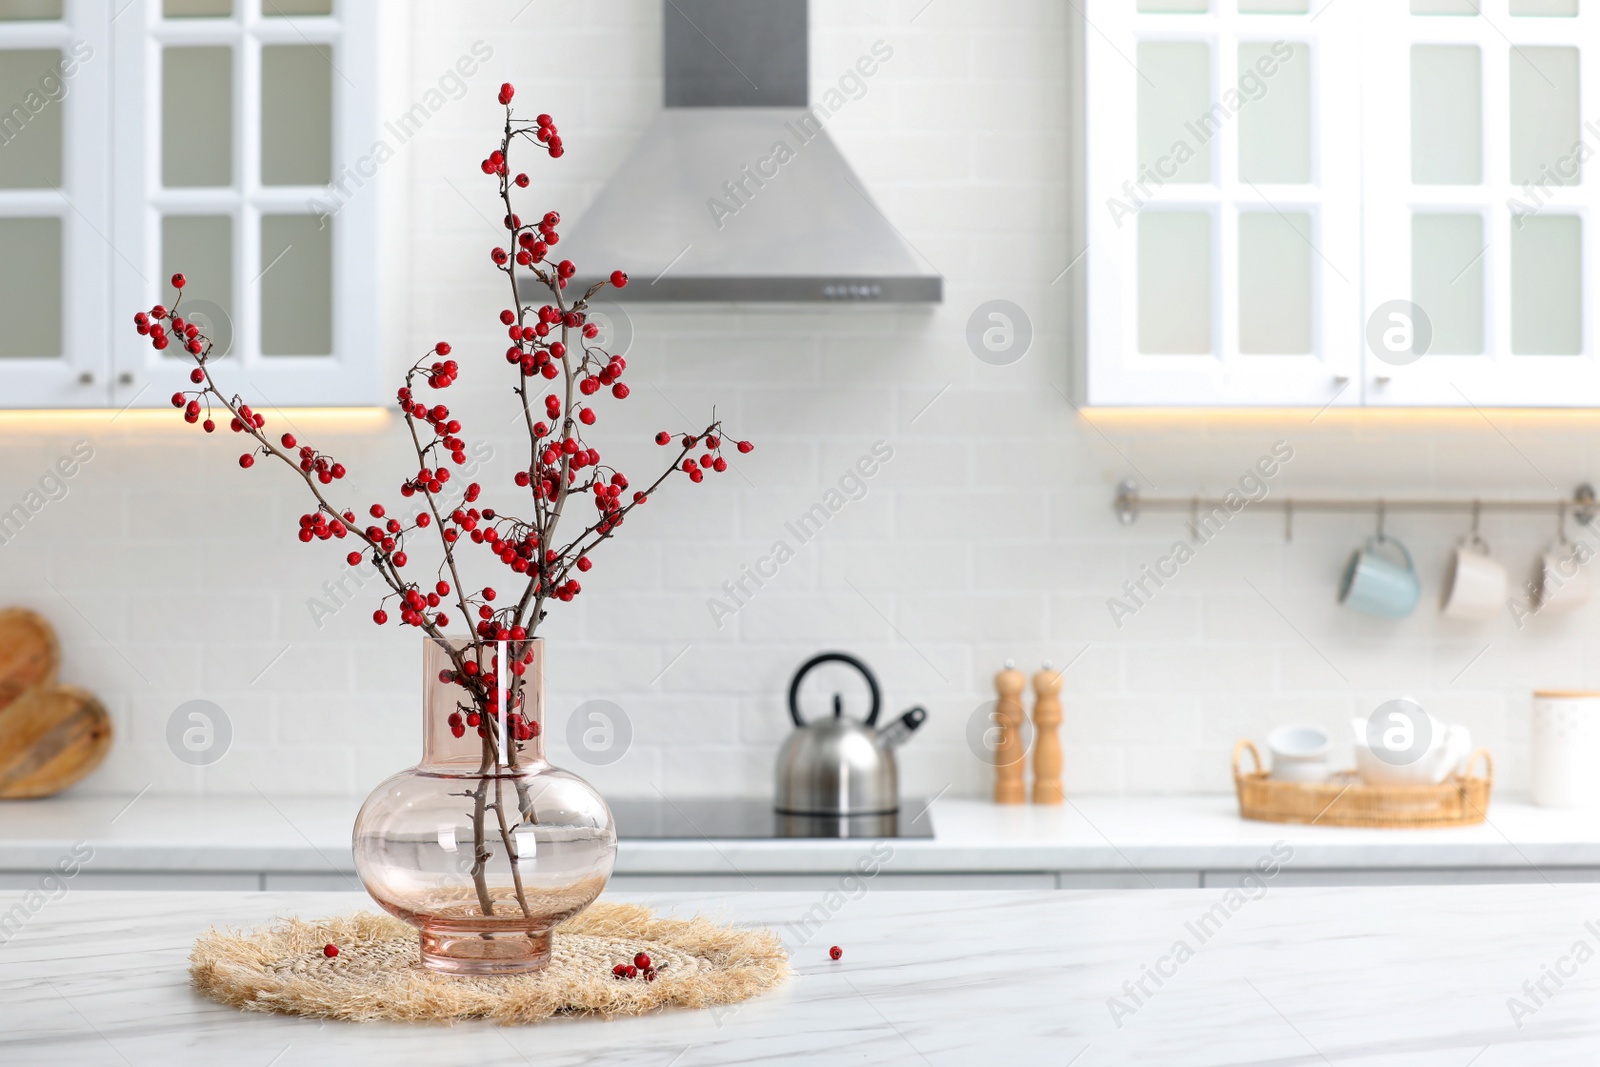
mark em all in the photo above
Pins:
pixel 465 685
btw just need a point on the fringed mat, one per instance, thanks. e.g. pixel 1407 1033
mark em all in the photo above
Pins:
pixel 378 974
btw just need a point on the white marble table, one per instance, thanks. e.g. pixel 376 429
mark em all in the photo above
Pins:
pixel 1393 976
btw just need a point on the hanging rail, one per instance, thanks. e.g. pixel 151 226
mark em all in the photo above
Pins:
pixel 1581 505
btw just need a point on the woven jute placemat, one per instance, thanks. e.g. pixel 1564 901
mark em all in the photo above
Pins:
pixel 377 974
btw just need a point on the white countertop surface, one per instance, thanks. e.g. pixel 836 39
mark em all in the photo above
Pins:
pixel 1393 976
pixel 258 833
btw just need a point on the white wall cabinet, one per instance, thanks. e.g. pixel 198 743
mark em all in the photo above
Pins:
pixel 212 137
pixel 1305 203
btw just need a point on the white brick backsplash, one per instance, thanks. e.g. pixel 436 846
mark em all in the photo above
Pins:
pixel 989 536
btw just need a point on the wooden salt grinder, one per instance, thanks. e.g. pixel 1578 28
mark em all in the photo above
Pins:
pixel 1010 760
pixel 1047 739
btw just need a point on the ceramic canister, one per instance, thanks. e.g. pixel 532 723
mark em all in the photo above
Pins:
pixel 1566 749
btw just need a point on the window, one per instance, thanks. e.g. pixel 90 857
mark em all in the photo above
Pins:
pixel 1312 202
pixel 152 136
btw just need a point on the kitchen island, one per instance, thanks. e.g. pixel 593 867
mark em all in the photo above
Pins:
pixel 1253 973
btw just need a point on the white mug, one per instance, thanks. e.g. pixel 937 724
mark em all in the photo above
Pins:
pixel 1562 582
pixel 1474 584
pixel 1446 753
pixel 1299 753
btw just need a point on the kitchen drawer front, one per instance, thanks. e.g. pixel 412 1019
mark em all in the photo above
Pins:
pixel 664 883
pixel 1128 880
pixel 1412 876
pixel 151 880
pixel 302 882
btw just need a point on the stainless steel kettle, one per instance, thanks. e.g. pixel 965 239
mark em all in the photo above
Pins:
pixel 837 765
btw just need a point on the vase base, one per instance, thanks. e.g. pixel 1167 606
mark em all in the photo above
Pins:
pixel 495 952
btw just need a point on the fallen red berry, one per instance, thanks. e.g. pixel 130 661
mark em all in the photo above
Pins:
pixel 835 952
pixel 620 970
pixel 330 951
pixel 642 962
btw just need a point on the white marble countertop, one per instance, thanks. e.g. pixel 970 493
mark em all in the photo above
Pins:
pixel 312 834
pixel 1280 976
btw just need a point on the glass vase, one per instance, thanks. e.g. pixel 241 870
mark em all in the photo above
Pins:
pixel 483 846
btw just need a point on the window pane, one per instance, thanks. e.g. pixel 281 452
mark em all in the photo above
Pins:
pixel 197 116
pixel 1447 277
pixel 1275 123
pixel 1174 281
pixel 188 9
pixel 30 287
pixel 1544 116
pixel 296 116
pixel 274 8
pixel 296 286
pixel 201 248
pixel 1174 95
pixel 1274 7
pixel 1547 285
pixel 1445 7
pixel 1561 8
pixel 29 9
pixel 30 120
pixel 1182 7
pixel 1446 114
pixel 1275 283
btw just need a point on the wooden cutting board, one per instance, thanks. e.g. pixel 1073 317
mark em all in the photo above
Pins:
pixel 50 737
pixel 29 653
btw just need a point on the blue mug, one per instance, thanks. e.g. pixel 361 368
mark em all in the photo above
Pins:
pixel 1379 585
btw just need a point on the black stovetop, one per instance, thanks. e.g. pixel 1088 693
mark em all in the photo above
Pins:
pixel 746 819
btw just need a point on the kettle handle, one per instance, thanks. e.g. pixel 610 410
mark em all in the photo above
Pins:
pixel 832 657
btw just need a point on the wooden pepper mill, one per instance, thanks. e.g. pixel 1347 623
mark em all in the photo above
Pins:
pixel 1047 739
pixel 1010 759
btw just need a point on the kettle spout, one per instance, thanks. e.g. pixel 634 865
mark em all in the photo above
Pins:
pixel 896 733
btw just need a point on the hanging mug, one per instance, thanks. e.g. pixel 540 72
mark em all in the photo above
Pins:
pixel 1380 584
pixel 1474 584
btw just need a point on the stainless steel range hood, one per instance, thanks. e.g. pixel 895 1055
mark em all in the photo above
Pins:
pixel 736 192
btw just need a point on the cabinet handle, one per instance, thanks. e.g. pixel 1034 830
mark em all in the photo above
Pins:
pixel 125 378
pixel 1341 379
pixel 1382 379
pixel 86 378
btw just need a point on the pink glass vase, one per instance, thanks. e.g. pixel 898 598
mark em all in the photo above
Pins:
pixel 483 846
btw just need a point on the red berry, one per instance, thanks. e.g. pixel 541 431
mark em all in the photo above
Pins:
pixel 443 348
pixel 329 951
pixel 746 447
pixel 443 588
pixel 209 426
pixel 642 962
pixel 620 970
pixel 399 559
pixel 619 279
pixel 835 952
pixel 247 461
pixel 353 558
pixel 620 391
pixel 177 400
pixel 197 376
pixel 663 438
pixel 288 440
pixel 506 92
pixel 179 281
pixel 377 511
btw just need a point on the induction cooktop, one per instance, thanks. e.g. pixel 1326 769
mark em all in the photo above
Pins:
pixel 747 819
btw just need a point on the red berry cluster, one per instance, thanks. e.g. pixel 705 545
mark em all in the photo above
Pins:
pixel 711 459
pixel 639 968
pixel 551 342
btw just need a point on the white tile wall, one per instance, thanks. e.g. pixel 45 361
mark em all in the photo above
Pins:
pixel 175 576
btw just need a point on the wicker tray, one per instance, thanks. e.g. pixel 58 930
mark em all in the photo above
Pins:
pixel 1344 801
